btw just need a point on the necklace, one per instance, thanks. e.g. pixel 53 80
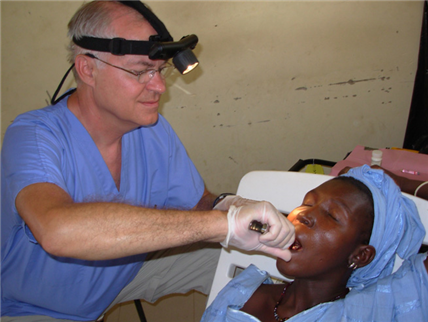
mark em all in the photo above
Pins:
pixel 275 309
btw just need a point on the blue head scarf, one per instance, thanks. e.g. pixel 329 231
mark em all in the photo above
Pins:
pixel 397 228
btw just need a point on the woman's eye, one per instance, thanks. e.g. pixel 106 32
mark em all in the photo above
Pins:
pixel 332 216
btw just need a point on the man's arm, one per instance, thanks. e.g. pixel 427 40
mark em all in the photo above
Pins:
pixel 98 231
pixel 206 202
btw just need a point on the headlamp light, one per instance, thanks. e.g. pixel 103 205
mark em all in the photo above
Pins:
pixel 182 56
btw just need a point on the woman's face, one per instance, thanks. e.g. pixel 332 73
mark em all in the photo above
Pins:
pixel 329 226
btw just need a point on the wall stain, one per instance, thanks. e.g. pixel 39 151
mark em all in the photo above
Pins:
pixel 224 125
pixel 233 160
pixel 301 88
pixel 346 96
pixel 352 82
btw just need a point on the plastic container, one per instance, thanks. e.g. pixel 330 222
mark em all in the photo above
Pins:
pixel 377 157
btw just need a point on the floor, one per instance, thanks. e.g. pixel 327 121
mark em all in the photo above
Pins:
pixel 177 308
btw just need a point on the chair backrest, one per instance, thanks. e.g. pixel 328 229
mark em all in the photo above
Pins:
pixel 285 190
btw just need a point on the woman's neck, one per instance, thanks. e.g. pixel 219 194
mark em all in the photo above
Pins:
pixel 303 295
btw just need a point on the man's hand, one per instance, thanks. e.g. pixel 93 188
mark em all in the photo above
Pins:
pixel 275 241
pixel 233 200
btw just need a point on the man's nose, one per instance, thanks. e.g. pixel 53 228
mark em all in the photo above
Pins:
pixel 157 83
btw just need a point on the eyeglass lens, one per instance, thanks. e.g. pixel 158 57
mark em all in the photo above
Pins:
pixel 164 72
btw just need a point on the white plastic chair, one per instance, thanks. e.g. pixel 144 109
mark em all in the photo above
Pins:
pixel 285 190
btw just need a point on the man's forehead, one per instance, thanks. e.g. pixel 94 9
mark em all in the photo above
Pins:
pixel 142 60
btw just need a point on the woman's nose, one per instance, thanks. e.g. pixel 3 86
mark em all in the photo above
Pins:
pixel 305 218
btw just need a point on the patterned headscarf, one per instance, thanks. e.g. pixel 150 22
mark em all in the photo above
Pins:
pixel 397 228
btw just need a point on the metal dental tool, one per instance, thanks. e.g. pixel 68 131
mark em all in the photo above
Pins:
pixel 258 227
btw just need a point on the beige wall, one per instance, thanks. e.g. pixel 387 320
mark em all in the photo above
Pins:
pixel 278 80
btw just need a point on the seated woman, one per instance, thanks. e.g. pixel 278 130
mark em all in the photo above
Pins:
pixel 348 231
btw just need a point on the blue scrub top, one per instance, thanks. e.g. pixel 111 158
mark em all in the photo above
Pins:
pixel 51 145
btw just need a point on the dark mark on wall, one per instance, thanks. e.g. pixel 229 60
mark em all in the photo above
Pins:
pixel 216 101
pixel 265 121
pixel 352 82
pixel 237 98
pixel 346 96
pixel 49 97
pixel 233 160
pixel 223 126
pixel 301 89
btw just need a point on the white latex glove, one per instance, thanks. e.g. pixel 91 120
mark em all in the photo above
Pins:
pixel 276 241
pixel 232 200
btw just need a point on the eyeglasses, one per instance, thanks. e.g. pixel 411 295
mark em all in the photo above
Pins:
pixel 144 76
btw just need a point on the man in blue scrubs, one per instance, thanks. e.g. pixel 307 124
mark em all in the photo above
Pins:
pixel 90 184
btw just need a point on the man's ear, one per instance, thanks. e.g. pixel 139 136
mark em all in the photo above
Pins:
pixel 85 67
pixel 363 255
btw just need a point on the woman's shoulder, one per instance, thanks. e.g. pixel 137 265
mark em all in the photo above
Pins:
pixel 263 299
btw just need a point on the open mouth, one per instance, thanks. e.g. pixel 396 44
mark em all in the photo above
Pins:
pixel 296 245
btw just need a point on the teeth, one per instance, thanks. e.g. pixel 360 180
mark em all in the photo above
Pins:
pixel 295 246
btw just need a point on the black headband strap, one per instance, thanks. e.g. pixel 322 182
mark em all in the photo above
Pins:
pixel 155 22
pixel 121 46
pixel 116 46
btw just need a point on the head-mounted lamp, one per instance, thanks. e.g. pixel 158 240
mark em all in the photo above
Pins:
pixel 180 51
pixel 160 46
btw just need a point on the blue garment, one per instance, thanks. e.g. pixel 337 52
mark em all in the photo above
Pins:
pixel 51 145
pixel 397 228
pixel 401 297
